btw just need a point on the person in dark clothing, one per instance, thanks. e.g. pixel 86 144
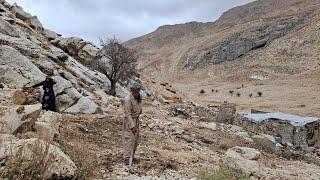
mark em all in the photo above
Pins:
pixel 48 99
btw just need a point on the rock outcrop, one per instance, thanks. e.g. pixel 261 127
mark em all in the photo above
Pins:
pixel 57 163
pixel 20 119
pixel 29 52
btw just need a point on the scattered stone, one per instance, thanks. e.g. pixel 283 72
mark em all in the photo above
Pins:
pixel 211 125
pixel 19 98
pixel 243 153
pixel 245 136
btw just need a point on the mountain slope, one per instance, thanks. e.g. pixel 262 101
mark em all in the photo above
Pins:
pixel 244 33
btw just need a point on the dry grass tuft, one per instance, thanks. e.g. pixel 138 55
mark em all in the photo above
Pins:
pixel 28 163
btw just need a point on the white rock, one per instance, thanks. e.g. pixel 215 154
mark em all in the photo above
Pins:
pixel 241 153
pixel 264 136
pixel 47 67
pixel 211 125
pixel 245 136
pixel 13 121
pixel 47 125
pixel 235 129
pixel 84 105
pixel 121 91
pixel 61 84
pixel 60 164
pixel 88 52
pixel 16 70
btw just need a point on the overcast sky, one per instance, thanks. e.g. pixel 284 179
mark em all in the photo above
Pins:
pixel 125 19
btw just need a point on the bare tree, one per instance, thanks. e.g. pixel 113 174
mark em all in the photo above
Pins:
pixel 116 61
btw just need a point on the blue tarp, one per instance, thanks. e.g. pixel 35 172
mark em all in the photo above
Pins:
pixel 294 120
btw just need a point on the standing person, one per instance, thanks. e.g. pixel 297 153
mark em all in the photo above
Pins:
pixel 132 110
pixel 48 99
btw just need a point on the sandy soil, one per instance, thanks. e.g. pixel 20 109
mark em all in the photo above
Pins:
pixel 294 95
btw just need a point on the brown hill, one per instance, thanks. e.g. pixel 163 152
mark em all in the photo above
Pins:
pixel 268 45
pixel 259 35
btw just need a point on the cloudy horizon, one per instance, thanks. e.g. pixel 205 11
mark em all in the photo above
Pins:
pixel 92 20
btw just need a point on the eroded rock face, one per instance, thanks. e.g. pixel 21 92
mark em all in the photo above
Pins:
pixel 77 48
pixel 28 53
pixel 7 29
pixel 241 43
pixel 16 70
pixel 32 21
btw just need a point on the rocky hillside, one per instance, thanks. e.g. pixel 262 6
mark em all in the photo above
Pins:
pixel 258 35
pixel 180 138
pixel 29 52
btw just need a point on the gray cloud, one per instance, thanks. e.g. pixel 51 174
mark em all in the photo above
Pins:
pixel 126 19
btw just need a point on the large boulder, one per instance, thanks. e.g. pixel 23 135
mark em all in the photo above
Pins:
pixel 66 94
pixel 47 67
pixel 55 163
pixel 84 105
pixel 20 118
pixel 46 127
pixel 66 100
pixel 61 84
pixel 70 45
pixel 88 52
pixel 16 70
